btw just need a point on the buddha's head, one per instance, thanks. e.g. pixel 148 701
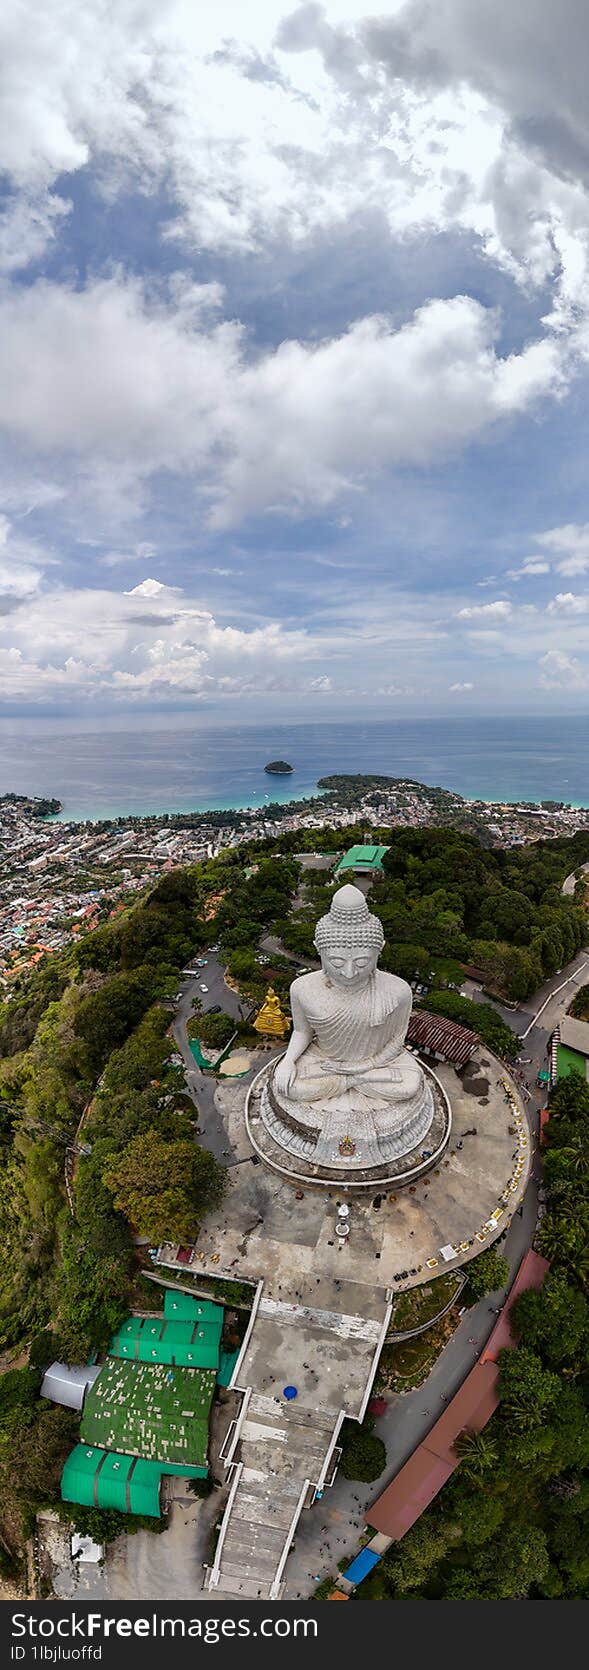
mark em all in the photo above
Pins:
pixel 349 940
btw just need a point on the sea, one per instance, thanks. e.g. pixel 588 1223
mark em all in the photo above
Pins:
pixel 180 764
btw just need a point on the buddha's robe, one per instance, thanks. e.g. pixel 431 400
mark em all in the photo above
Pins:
pixel 357 1040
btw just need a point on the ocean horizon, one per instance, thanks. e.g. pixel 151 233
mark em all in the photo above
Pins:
pixel 204 766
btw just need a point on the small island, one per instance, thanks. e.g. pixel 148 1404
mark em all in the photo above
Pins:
pixel 279 768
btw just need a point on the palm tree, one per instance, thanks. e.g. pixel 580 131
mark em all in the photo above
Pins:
pixel 478 1454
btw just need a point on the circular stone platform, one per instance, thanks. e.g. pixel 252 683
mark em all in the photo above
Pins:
pixel 288 1145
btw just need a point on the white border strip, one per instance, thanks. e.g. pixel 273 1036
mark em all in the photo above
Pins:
pixel 233 1383
pixel 276 1580
pixel 215 1572
pixel 375 1361
pixel 237 1426
pixel 332 1446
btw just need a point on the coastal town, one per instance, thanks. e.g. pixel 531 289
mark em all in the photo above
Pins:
pixel 61 878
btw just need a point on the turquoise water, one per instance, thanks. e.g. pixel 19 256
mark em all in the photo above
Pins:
pixel 180 766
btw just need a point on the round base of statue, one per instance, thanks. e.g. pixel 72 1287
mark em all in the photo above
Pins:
pixel 347 1103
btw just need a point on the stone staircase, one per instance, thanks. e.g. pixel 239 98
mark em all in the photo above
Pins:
pixel 282 1451
pixel 284 1447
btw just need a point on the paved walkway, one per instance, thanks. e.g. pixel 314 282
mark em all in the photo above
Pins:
pixel 283 1447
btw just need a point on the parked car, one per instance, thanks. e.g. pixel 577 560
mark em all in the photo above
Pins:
pixel 202 987
pixel 215 1009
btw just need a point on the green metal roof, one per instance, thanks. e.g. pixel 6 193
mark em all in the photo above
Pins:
pixel 227 1363
pixel 182 1336
pixel 154 1411
pixel 185 1307
pixel 362 858
pixel 570 1061
pixel 106 1479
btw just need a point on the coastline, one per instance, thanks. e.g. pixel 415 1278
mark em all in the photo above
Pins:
pixel 162 770
pixel 257 807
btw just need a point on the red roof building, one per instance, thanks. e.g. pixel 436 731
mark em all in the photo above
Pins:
pixel 433 1462
pixel 531 1274
pixel 441 1037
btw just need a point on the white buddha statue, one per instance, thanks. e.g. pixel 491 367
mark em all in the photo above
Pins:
pixel 346 1072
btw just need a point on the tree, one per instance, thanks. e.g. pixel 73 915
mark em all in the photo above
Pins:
pixel 580 1004
pixel 407 960
pixel 478 1455
pixel 488 1273
pixel 478 1515
pixel 568 1100
pixel 408 1564
pixel 528 1390
pixel 165 1188
pixel 554 1321
pixel 481 1018
pixel 90 1294
pixel 213 1030
pixel 363 1455
pixel 242 964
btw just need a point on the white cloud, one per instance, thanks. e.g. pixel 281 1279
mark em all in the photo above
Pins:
pixel 569 545
pixel 27 227
pixel 499 610
pixel 568 603
pixel 563 672
pixel 119 380
pixel 531 567
pixel 151 644
pixel 264 128
pixel 151 588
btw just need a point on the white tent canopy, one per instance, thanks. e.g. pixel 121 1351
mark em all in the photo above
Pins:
pixel 68 1386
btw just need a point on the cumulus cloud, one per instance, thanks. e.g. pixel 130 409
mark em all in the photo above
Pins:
pixel 116 378
pixel 569 547
pixel 150 644
pixel 499 610
pixel 563 672
pixel 529 569
pixel 515 55
pixel 568 603
pixel 404 117
pixel 27 226
pixel 261 133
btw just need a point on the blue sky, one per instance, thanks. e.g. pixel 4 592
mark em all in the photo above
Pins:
pixel 294 331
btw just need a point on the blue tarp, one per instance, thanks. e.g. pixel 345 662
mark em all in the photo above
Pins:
pixel 362 1565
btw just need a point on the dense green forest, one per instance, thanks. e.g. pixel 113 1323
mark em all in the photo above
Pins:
pixel 88 1034
pixel 501 910
pixel 444 896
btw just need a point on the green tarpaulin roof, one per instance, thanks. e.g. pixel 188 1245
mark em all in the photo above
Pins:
pixel 183 1336
pixel 153 1411
pixel 106 1479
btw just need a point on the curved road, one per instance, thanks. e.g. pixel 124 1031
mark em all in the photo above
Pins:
pixel 201 1086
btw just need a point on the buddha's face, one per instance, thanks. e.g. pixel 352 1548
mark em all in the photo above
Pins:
pixel 349 967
